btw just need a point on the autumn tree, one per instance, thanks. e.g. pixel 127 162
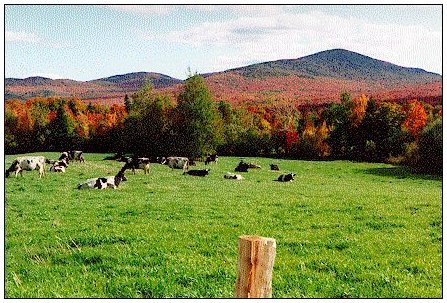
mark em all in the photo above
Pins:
pixel 416 118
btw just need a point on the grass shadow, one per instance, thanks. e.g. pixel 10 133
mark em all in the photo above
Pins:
pixel 400 172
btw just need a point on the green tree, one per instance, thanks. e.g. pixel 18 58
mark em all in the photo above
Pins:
pixel 430 148
pixel 147 125
pixel 62 130
pixel 195 119
pixel 381 132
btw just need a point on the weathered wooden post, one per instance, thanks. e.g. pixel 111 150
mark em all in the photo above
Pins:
pixel 255 266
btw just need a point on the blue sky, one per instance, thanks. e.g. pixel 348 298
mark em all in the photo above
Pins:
pixel 86 42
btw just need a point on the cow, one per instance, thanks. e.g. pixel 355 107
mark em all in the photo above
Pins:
pixel 64 156
pixel 252 165
pixel 211 158
pixel 274 167
pixel 178 162
pixel 27 163
pixel 233 176
pixel 57 169
pixel 76 155
pixel 62 162
pixel 72 155
pixel 105 182
pixel 197 172
pixel 242 167
pixel 139 163
pixel 287 177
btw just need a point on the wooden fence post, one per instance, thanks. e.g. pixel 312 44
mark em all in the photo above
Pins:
pixel 255 266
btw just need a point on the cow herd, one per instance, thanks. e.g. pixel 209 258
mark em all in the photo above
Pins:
pixel 132 163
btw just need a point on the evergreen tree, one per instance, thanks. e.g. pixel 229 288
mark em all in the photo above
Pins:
pixel 62 130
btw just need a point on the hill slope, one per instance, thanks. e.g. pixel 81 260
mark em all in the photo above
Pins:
pixel 317 78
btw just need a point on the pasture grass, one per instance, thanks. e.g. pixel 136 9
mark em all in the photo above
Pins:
pixel 343 230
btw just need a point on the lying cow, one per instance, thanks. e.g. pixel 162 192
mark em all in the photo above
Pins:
pixel 242 167
pixel 72 155
pixel 287 177
pixel 104 182
pixel 233 176
pixel 274 167
pixel 64 156
pixel 139 163
pixel 57 169
pixel 177 162
pixel 211 158
pixel 252 165
pixel 27 163
pixel 197 172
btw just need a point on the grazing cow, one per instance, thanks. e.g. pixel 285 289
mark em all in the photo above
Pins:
pixel 233 176
pixel 274 167
pixel 211 158
pixel 287 177
pixel 27 163
pixel 242 167
pixel 139 163
pixel 105 182
pixel 178 162
pixel 197 172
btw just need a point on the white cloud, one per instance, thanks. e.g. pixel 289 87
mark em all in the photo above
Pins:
pixel 283 35
pixel 21 37
pixel 144 9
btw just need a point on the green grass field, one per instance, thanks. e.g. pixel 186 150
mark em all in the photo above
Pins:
pixel 342 229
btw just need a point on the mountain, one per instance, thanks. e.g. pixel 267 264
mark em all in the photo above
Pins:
pixel 339 64
pixel 316 78
pixel 110 89
pixel 134 81
pixel 321 77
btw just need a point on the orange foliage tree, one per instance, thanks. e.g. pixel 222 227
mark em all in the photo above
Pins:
pixel 416 118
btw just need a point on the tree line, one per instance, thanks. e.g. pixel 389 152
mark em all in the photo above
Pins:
pixel 150 124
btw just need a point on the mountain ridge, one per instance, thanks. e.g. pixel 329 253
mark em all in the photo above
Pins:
pixel 310 77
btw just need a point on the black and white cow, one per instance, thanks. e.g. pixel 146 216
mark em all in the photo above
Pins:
pixel 211 158
pixel 75 155
pixel 64 156
pixel 197 172
pixel 139 163
pixel 59 166
pixel 27 163
pixel 233 176
pixel 242 167
pixel 178 162
pixel 105 182
pixel 274 167
pixel 57 169
pixel 287 177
